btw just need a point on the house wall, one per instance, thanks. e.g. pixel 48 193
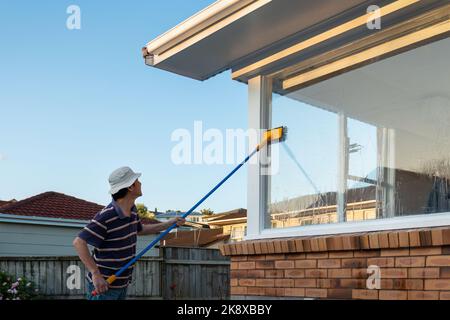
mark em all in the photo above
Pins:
pixel 21 240
pixel 413 265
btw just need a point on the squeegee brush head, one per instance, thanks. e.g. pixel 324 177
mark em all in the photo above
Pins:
pixel 274 135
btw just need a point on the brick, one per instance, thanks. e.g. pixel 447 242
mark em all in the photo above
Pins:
pixel 284 246
pixel 427 251
pixel 246 282
pixel 238 290
pixel 250 248
pixel 438 261
pixel 383 239
pixel 294 292
pixel 277 245
pixel 239 249
pixel 246 265
pixel 393 295
pixel 279 256
pixel 305 263
pixel 414 238
pixel 238 273
pixel 374 241
pixel 239 258
pixel 436 237
pixel 394 252
pixel 352 283
pixel 291 245
pixel 233 282
pixel 354 263
pixel 339 293
pixel 298 245
pixel 322 244
pixel 284 283
pixel 294 273
pixel 393 240
pixel 339 273
pixel 328 283
pixel 314 245
pixel 316 293
pixel 408 284
pixel 232 249
pixel 367 253
pixel 270 247
pixel 425 238
pixel 431 273
pixel 275 292
pixel 386 284
pixel 255 273
pixel 364 241
pixel 274 273
pixel 329 263
pixel 444 295
pixel 359 273
pixel 423 295
pixel 410 262
pixel 256 257
pixel 365 294
pixel 306 245
pixel 255 291
pixel 403 239
pixel 445 250
pixel 264 247
pixel 284 264
pixel 265 282
pixel 264 264
pixel 317 255
pixel 305 283
pixel 441 284
pixel 381 262
pixel 390 273
pixel 257 245
pixel 295 256
pixel 341 254
pixel 445 272
pixel 315 273
pixel 446 236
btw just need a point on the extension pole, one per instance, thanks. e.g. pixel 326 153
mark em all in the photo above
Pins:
pixel 270 136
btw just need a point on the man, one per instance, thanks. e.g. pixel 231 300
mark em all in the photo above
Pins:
pixel 113 234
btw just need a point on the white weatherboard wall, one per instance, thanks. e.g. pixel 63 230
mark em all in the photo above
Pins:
pixel 35 236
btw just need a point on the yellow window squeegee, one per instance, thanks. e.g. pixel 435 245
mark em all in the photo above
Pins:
pixel 270 136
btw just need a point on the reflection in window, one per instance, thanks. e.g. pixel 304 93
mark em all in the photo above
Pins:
pixel 371 143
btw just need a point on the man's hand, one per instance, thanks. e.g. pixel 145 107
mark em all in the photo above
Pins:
pixel 100 284
pixel 178 220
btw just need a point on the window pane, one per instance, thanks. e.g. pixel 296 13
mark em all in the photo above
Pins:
pixel 303 189
pixel 371 143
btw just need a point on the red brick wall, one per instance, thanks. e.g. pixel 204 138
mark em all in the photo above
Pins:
pixel 414 264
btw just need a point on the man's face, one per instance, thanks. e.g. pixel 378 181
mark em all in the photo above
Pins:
pixel 135 188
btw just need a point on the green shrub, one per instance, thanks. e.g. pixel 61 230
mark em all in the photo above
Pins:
pixel 16 289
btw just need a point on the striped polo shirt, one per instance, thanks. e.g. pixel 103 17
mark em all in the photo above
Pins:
pixel 113 236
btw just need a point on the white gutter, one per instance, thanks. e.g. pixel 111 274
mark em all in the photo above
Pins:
pixel 202 24
pixel 12 218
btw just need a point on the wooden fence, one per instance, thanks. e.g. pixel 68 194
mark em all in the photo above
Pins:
pixel 177 273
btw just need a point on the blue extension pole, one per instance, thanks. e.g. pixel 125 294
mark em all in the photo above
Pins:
pixel 162 235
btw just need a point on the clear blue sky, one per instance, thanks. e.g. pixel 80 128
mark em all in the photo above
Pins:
pixel 76 104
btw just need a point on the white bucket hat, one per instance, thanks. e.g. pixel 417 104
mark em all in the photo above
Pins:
pixel 122 178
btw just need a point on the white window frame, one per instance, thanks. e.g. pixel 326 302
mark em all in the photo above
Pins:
pixel 259 117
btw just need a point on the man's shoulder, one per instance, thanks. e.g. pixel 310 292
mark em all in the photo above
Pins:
pixel 107 212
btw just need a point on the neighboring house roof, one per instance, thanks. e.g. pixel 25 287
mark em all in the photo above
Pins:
pixel 3 203
pixel 233 214
pixel 173 214
pixel 53 205
pixel 194 238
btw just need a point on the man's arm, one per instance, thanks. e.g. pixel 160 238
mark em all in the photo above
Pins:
pixel 82 249
pixel 157 227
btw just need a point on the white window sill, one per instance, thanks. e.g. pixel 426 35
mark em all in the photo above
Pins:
pixel 407 222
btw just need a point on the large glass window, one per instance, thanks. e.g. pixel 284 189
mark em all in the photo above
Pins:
pixel 371 143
